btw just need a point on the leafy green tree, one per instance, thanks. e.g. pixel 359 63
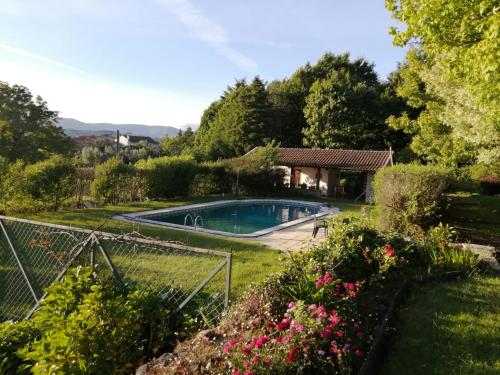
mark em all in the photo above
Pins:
pixel 348 109
pixel 181 144
pixel 240 122
pixel 452 76
pixel 27 127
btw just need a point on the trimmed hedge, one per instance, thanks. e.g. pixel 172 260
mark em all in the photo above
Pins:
pixel 168 177
pixel 45 185
pixel 409 196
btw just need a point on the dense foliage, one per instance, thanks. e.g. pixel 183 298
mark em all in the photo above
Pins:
pixel 27 128
pixel 168 177
pixel 338 102
pixel 409 197
pixel 86 325
pixel 319 314
pixel 44 185
pixel 451 74
pixel 116 182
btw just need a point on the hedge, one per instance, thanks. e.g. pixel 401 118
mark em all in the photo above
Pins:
pixel 409 196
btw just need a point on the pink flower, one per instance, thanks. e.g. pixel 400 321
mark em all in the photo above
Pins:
pixel 291 305
pixel 246 364
pixel 326 333
pixel 284 324
pixel 340 333
pixel 256 359
pixel 320 282
pixel 261 341
pixel 236 372
pixel 334 320
pixel 247 350
pixel 229 345
pixel 267 362
pixel 299 327
pixel 321 309
pixel 291 356
pixel 248 373
pixel 358 352
pixel 311 307
pixel 350 286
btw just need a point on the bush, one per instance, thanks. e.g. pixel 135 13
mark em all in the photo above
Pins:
pixel 490 185
pixel 14 336
pixel 116 182
pixel 89 326
pixel 409 196
pixel 41 186
pixel 211 178
pixel 168 177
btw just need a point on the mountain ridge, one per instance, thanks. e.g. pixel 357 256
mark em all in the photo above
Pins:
pixel 75 128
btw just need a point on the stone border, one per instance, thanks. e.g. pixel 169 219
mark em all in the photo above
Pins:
pixel 140 216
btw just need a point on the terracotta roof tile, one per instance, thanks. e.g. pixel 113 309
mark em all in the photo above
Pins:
pixel 361 160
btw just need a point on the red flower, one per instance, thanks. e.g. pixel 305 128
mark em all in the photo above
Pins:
pixel 358 352
pixel 284 324
pixel 261 341
pixel 247 350
pixel 389 250
pixel 267 362
pixel 291 356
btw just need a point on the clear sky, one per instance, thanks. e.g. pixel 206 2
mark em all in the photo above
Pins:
pixel 162 62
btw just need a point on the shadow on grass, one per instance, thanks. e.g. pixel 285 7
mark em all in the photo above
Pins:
pixel 449 328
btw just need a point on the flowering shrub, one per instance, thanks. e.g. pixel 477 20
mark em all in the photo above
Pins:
pixel 307 338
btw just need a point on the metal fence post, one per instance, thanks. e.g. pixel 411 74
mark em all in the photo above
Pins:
pixel 110 263
pixel 20 264
pixel 229 265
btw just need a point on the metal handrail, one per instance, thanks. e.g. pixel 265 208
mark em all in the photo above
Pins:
pixel 196 221
pixel 192 221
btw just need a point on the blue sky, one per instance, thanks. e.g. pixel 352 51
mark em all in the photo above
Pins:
pixel 161 62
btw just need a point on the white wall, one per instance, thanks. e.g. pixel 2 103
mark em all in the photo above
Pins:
pixel 369 186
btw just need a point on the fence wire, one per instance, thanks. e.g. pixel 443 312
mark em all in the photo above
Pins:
pixel 33 255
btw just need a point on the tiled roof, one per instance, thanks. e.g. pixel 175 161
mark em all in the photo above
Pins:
pixel 360 160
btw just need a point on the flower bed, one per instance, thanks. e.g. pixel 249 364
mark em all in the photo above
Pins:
pixel 321 313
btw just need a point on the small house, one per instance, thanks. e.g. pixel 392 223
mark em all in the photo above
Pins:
pixel 131 140
pixel 318 170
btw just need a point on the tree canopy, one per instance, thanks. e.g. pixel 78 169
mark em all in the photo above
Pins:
pixel 451 74
pixel 27 127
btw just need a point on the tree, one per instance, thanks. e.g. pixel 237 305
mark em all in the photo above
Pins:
pixel 241 121
pixel 181 144
pixel 452 75
pixel 348 108
pixel 27 127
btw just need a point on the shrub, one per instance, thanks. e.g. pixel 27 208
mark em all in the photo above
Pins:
pixel 115 182
pixel 168 177
pixel 211 178
pixel 490 185
pixel 409 196
pixel 12 337
pixel 90 326
pixel 43 185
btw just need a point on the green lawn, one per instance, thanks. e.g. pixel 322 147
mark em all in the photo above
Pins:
pixel 449 328
pixel 251 262
pixel 476 217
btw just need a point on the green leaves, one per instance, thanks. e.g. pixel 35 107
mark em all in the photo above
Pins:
pixel 86 325
pixel 27 130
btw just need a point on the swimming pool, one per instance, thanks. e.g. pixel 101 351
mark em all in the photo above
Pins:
pixel 236 218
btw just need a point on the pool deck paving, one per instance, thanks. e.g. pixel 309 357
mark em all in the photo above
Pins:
pixel 296 238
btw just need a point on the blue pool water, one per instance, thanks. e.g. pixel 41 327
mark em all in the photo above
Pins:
pixel 240 217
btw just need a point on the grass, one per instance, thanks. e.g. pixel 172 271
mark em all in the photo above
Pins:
pixel 476 217
pixel 449 328
pixel 252 262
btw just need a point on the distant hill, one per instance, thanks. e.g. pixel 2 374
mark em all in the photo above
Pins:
pixel 75 128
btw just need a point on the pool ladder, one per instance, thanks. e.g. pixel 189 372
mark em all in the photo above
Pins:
pixel 194 221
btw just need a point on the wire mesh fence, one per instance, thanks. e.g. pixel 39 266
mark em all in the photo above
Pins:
pixel 33 255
